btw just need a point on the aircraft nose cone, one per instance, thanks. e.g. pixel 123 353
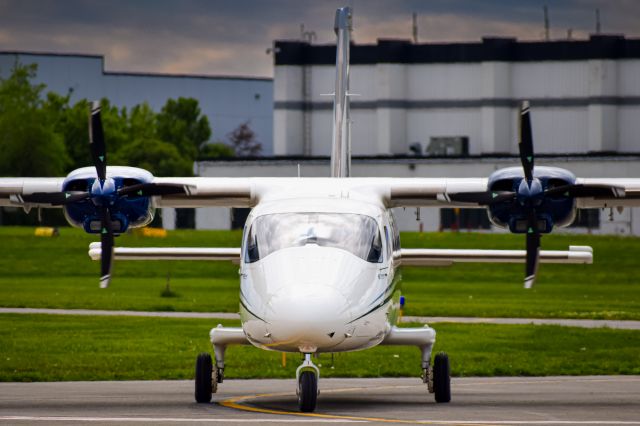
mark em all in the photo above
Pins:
pixel 310 317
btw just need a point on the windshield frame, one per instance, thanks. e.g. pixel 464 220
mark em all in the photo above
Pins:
pixel 356 233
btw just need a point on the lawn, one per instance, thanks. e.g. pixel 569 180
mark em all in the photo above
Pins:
pixel 52 348
pixel 57 273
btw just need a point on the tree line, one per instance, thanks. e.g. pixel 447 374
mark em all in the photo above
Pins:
pixel 46 135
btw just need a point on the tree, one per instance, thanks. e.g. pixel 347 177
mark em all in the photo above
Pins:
pixel 29 143
pixel 243 141
pixel 158 157
pixel 72 123
pixel 181 124
pixel 215 150
pixel 146 150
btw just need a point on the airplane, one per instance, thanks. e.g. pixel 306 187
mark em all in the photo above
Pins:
pixel 319 257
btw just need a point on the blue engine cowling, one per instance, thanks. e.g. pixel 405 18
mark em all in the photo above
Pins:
pixel 126 212
pixel 558 210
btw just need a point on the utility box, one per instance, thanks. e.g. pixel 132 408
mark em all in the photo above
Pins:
pixel 448 146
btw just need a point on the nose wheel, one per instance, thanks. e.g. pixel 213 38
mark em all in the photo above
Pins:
pixel 307 375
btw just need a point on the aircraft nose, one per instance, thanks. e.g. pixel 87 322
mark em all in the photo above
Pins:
pixel 309 317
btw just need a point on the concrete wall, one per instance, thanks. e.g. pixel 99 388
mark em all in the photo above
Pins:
pixel 578 106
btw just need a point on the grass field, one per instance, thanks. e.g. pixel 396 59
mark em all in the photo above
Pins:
pixel 57 273
pixel 51 347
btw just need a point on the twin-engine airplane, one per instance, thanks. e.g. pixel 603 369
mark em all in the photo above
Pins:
pixel 319 256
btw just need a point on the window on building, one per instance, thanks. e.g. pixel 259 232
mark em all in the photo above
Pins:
pixel 587 218
pixel 455 219
pixel 185 218
pixel 239 217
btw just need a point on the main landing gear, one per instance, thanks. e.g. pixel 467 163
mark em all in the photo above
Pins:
pixel 307 376
pixel 438 378
pixel 207 378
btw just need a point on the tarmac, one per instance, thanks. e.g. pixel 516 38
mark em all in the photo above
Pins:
pixel 587 400
pixel 566 322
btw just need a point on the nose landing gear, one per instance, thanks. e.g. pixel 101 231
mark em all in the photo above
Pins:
pixel 307 377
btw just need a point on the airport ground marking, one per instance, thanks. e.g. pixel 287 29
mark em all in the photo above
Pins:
pixel 238 403
pixel 162 419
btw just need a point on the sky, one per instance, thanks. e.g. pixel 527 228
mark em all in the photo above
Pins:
pixel 216 37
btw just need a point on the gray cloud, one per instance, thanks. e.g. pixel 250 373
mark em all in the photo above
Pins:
pixel 230 37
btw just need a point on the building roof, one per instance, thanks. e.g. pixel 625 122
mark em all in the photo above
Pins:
pixel 129 73
pixel 489 49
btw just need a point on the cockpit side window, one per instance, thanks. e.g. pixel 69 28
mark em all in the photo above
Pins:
pixel 252 254
pixel 375 252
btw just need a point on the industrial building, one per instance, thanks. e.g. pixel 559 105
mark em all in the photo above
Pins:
pixel 434 110
pixel 227 101
pixel 418 110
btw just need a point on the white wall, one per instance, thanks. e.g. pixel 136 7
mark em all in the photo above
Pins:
pixel 571 106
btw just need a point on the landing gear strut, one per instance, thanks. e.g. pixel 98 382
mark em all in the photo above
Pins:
pixel 307 376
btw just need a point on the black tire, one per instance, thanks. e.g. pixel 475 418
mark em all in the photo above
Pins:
pixel 442 378
pixel 204 367
pixel 307 391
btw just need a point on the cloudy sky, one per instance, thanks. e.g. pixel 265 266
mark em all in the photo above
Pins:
pixel 230 37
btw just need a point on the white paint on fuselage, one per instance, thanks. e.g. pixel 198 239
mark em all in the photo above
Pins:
pixel 313 298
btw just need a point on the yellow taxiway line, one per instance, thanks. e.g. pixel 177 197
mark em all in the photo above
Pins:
pixel 237 403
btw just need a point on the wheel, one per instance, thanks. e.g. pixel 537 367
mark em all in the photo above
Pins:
pixel 441 378
pixel 307 391
pixel 204 370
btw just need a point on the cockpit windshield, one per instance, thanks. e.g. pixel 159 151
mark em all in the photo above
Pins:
pixel 355 233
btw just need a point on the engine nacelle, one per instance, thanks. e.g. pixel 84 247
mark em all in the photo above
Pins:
pixel 553 210
pixel 126 212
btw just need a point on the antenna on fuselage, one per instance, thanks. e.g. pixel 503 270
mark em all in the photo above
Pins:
pixel 341 147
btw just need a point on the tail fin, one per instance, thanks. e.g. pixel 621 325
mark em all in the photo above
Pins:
pixel 341 148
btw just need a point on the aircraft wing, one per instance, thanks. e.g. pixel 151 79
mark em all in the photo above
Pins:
pixel 451 192
pixel 13 189
pixel 629 196
pixel 198 192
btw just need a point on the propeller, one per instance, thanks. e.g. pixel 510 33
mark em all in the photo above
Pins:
pixel 530 194
pixel 103 193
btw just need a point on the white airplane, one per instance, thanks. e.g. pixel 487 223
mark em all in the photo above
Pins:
pixel 319 256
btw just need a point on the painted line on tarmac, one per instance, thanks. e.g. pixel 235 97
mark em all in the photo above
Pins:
pixel 239 403
pixel 162 420
pixel 565 322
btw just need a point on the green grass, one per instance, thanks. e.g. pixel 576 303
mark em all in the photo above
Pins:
pixel 57 273
pixel 52 348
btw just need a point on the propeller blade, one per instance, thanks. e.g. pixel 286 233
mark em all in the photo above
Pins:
pixel 106 243
pixel 96 140
pixel 587 191
pixel 54 198
pixel 483 198
pixel 525 146
pixel 533 250
pixel 152 189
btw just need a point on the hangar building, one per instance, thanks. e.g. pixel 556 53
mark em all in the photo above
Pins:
pixel 433 110
pixel 227 101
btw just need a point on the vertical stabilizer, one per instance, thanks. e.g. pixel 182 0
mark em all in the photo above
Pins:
pixel 341 147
